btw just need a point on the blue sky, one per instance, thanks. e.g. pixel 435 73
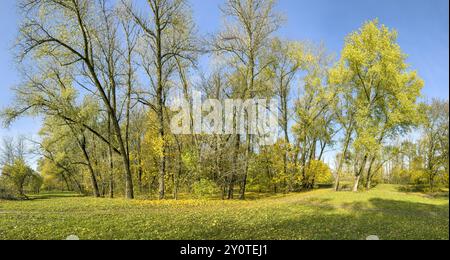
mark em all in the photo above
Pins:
pixel 422 26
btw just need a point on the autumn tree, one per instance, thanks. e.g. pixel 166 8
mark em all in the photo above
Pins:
pixel 168 32
pixel 314 128
pixel 383 90
pixel 435 141
pixel 14 169
pixel 286 60
pixel 247 32
pixel 70 36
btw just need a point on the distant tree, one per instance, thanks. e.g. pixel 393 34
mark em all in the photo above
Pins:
pixel 18 174
pixel 435 142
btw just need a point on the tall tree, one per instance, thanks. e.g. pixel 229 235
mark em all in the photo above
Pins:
pixel 287 59
pixel 250 25
pixel 384 91
pixel 435 141
pixel 69 35
pixel 168 36
pixel 314 127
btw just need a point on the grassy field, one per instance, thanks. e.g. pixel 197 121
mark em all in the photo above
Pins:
pixel 386 212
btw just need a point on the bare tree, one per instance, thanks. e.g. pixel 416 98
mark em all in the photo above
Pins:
pixel 250 24
pixel 168 35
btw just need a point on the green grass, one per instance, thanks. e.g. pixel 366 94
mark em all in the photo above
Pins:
pixel 386 211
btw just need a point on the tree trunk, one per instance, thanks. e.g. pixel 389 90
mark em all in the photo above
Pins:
pixel 162 166
pixel 356 184
pixel 128 179
pixel 369 183
pixel 82 145
pixel 244 179
pixel 337 182
pixel 235 171
pixel 243 188
pixel 359 173
pixel 92 174
pixel 342 161
pixel 65 181
pixel 370 175
pixel 111 162
pixel 140 171
pixel 285 127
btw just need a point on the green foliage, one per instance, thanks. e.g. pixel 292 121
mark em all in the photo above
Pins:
pixel 204 189
pixel 103 132
pixel 381 91
pixel 319 172
pixel 35 183
pixel 18 174
pixel 6 192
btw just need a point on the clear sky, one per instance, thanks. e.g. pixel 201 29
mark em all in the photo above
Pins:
pixel 423 27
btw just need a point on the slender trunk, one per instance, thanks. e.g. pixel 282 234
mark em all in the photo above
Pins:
pixel 224 191
pixel 359 173
pixel 285 155
pixel 82 146
pixel 244 179
pixel 342 161
pixel 162 166
pixel 160 100
pixel 111 162
pixel 356 184
pixel 303 163
pixel 176 180
pixel 180 169
pixel 323 145
pixel 285 125
pixel 235 166
pixel 126 164
pixel 111 174
pixel 369 183
pixel 91 171
pixel 370 174
pixel 65 181
pixel 249 137
pixel 77 184
pixel 129 193
pixel 140 171
pixel 128 106
pixel 90 64
pixel 337 182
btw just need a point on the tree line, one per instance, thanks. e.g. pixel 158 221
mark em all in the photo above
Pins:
pixel 101 74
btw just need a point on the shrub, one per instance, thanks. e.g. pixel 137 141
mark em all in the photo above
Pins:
pixel 6 193
pixel 204 188
pixel 319 172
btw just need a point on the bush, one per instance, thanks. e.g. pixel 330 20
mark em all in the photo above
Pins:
pixel 319 172
pixel 204 188
pixel 6 193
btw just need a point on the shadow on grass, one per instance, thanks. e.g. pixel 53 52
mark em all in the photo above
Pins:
pixel 313 219
pixel 412 188
pixel 441 193
pixel 48 196
pixel 251 196
pixel 387 219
